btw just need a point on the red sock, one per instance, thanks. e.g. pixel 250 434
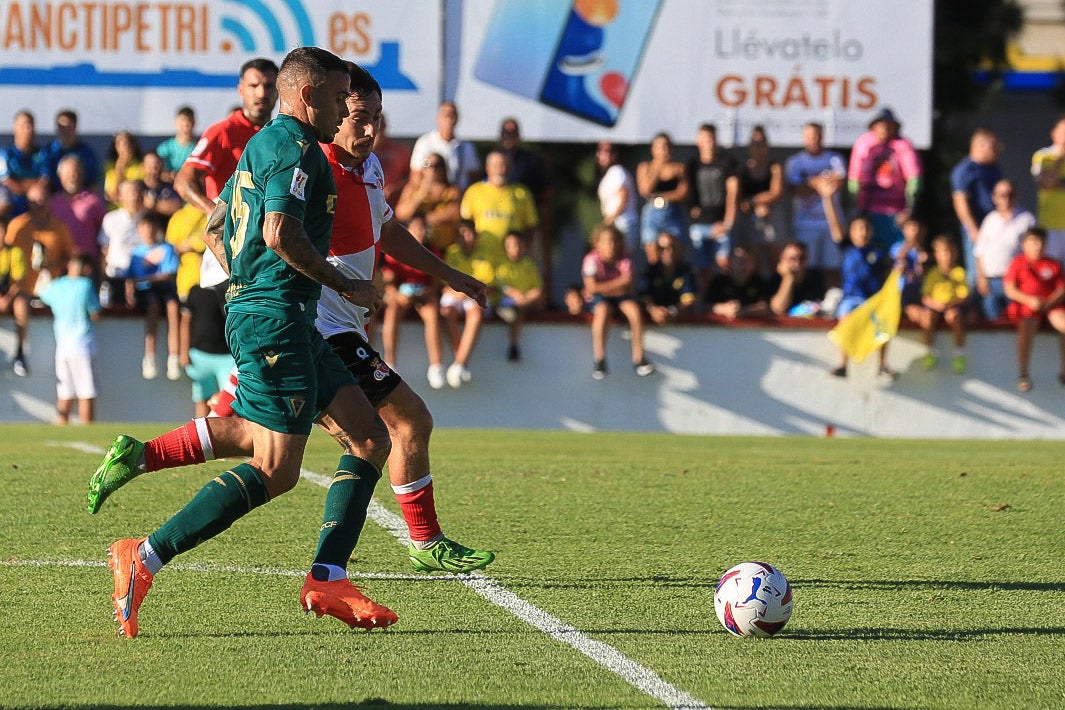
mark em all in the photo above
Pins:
pixel 181 447
pixel 223 406
pixel 419 510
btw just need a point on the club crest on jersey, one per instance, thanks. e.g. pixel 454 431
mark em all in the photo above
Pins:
pixel 298 188
pixel 381 371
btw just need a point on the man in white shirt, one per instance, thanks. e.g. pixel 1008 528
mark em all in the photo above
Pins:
pixel 463 165
pixel 617 193
pixel 998 241
pixel 118 235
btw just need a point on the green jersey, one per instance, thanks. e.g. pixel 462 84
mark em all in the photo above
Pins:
pixel 282 169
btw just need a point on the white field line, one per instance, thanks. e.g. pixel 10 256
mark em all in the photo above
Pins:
pixel 639 677
pixel 636 675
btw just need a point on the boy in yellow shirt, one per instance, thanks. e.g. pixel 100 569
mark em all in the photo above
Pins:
pixel 520 288
pixel 944 295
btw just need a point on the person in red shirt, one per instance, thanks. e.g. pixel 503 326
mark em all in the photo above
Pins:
pixel 204 173
pixel 213 160
pixel 1035 285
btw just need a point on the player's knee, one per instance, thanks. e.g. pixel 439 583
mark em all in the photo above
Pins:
pixel 374 444
pixel 278 478
pixel 416 425
pixel 378 445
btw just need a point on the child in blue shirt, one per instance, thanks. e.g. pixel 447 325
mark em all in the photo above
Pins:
pixel 863 270
pixel 153 277
pixel 74 305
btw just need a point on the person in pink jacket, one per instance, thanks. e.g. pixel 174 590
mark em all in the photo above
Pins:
pixel 884 177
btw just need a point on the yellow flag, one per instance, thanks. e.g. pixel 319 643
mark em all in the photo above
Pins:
pixel 870 325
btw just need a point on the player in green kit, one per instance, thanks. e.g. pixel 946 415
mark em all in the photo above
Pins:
pixel 272 228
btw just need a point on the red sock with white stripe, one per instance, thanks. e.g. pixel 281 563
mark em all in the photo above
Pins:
pixel 419 511
pixel 223 406
pixel 183 446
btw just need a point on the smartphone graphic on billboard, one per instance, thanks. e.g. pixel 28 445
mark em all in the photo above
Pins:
pixel 578 56
pixel 597 56
pixel 520 42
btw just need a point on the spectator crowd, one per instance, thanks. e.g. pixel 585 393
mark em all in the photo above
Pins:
pixel 726 235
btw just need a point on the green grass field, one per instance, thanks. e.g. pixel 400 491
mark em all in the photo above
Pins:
pixel 927 574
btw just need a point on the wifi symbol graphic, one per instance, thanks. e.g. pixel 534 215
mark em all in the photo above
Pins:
pixel 261 26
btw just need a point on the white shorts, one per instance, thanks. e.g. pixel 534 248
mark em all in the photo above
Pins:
pixel 75 374
pixel 451 299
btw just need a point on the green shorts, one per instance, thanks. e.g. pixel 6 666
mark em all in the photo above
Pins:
pixel 288 373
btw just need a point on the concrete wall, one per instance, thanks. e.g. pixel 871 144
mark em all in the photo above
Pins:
pixel 711 380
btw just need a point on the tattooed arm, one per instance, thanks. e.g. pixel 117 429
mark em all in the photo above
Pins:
pixel 286 236
pixel 212 237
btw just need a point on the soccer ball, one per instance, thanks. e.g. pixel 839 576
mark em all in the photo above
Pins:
pixel 753 599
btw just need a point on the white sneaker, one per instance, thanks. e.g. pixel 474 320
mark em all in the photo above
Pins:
pixel 436 376
pixel 457 374
pixel 148 370
pixel 173 368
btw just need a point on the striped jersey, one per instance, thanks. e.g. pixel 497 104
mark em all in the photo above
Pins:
pixel 361 210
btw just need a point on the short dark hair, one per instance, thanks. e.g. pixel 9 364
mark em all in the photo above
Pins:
pixel 945 238
pixel 67 113
pixel 709 128
pixel 362 81
pixel 261 64
pixel 1038 232
pixel 156 220
pixel 186 111
pixel 312 64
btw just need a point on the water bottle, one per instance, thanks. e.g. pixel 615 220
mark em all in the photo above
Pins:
pixel 105 294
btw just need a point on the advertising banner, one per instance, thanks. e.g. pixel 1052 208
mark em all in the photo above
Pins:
pixel 128 64
pixel 584 70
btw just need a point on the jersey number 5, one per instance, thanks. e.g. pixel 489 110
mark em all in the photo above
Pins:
pixel 239 211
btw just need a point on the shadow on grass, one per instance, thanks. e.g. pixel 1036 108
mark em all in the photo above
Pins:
pixel 332 630
pixel 888 634
pixel 663 581
pixel 888 584
pixel 364 704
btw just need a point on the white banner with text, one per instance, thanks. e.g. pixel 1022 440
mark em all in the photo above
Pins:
pixel 128 64
pixel 583 70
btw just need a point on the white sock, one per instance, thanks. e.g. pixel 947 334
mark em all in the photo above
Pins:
pixel 204 435
pixel 414 485
pixel 149 557
pixel 426 544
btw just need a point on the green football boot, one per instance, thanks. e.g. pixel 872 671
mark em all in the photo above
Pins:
pixel 448 556
pixel 118 468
